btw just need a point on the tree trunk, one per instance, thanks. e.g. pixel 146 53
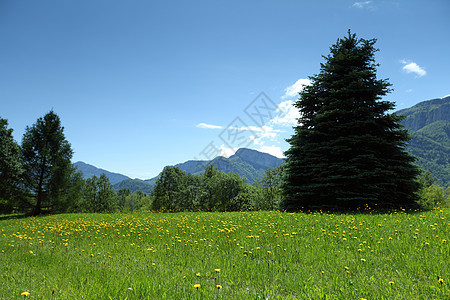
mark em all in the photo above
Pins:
pixel 38 209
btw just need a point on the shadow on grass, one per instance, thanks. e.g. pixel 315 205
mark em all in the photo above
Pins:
pixel 13 216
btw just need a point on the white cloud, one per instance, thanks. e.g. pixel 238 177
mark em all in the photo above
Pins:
pixel 208 126
pixel 412 67
pixel 287 114
pixel 361 4
pixel 226 151
pixel 297 87
pixel 272 150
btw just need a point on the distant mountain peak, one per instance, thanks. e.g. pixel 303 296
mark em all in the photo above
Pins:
pixel 89 170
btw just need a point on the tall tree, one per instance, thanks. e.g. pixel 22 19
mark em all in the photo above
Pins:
pixel 10 168
pixel 271 183
pixel 168 189
pixel 46 156
pixel 99 195
pixel 347 150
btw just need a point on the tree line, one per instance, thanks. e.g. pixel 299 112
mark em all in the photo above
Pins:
pixel 37 177
pixel 347 152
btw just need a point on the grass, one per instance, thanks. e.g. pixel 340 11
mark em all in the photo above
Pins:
pixel 246 255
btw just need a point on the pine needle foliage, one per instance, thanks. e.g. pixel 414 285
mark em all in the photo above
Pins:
pixel 348 150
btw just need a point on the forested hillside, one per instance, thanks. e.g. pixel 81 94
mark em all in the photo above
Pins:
pixel 429 126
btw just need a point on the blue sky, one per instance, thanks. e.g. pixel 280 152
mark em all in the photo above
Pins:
pixel 140 85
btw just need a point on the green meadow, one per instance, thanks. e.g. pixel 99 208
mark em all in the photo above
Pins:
pixel 236 255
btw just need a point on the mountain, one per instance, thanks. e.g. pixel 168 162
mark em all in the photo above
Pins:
pixel 88 171
pixel 429 125
pixel 427 121
pixel 248 163
pixel 134 185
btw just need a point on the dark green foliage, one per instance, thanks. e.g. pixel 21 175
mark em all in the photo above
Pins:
pixel 10 168
pixel 136 201
pixel 122 195
pixel 271 189
pixel 74 196
pixel 98 195
pixel 133 185
pixel 168 188
pixel 46 156
pixel 211 191
pixel 347 151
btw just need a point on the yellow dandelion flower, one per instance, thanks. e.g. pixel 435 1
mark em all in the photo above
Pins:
pixel 26 294
pixel 218 286
pixel 363 260
pixel 197 286
pixel 198 274
pixel 391 282
pixel 441 281
pixel 31 252
pixel 217 270
pixel 269 252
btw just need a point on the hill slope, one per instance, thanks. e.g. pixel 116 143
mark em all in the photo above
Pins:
pixel 429 126
pixel 248 163
pixel 88 171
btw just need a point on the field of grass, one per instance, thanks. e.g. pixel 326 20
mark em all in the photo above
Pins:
pixel 246 255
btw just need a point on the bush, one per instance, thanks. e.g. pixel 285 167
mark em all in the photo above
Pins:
pixel 433 195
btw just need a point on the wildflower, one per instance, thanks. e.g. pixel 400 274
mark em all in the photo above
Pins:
pixel 391 282
pixel 197 286
pixel 363 260
pixel 217 270
pixel 441 281
pixel 198 274
pixel 26 294
pixel 31 252
pixel 218 286
pixel 269 252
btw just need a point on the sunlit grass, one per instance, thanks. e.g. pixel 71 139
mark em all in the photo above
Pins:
pixel 244 255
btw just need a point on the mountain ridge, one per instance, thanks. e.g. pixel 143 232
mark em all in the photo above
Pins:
pixel 247 163
pixel 428 123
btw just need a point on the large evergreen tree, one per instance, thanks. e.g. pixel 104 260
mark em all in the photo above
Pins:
pixel 10 168
pixel 347 149
pixel 46 156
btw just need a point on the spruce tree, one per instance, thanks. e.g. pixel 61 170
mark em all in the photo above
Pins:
pixel 348 149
